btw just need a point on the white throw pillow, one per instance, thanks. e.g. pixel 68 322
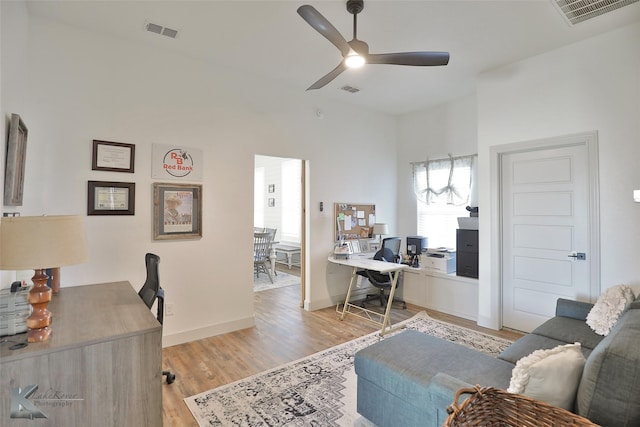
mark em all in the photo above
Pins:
pixel 608 308
pixel 551 376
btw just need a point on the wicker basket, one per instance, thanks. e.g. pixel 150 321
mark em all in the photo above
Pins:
pixel 492 407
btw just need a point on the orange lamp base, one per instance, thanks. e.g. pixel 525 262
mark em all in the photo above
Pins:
pixel 40 319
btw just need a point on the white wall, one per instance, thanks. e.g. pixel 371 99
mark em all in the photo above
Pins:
pixel 591 85
pixel 78 86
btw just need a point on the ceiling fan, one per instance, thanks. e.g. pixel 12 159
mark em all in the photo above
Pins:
pixel 356 52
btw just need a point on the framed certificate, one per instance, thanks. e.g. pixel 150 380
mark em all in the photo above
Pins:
pixel 111 198
pixel 113 156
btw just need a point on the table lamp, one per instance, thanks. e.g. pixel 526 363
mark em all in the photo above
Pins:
pixel 380 229
pixel 40 242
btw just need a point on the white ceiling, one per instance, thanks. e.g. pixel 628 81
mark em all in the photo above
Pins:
pixel 269 39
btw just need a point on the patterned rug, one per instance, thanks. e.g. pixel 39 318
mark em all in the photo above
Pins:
pixel 318 390
pixel 282 279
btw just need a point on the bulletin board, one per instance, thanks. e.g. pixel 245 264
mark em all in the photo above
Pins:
pixel 354 221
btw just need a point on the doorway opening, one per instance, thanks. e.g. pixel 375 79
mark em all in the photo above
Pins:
pixel 279 208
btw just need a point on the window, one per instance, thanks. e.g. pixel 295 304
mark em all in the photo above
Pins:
pixel 291 200
pixel 443 189
pixel 439 223
pixel 258 197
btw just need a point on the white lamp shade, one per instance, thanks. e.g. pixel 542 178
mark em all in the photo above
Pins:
pixel 636 195
pixel 34 242
pixel 380 228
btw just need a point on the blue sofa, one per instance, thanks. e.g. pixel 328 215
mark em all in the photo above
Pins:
pixel 409 379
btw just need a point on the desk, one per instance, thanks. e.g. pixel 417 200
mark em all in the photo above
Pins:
pixel 101 366
pixel 369 264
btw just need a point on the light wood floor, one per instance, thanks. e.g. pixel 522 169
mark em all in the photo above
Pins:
pixel 284 332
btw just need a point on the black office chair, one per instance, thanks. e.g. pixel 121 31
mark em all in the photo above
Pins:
pixel 390 252
pixel 151 291
pixel 394 244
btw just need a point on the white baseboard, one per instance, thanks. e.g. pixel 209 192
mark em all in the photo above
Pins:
pixel 318 305
pixel 207 331
pixel 358 293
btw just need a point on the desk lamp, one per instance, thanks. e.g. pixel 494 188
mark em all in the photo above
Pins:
pixel 380 229
pixel 40 242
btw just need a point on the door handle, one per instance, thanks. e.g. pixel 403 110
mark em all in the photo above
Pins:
pixel 578 255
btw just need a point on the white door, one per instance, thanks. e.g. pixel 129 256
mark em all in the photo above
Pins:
pixel 545 230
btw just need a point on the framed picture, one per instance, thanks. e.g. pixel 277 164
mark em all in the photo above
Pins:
pixel 111 198
pixel 113 156
pixel 272 188
pixel 271 202
pixel 15 162
pixel 177 211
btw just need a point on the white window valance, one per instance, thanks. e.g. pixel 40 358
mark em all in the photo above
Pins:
pixel 444 181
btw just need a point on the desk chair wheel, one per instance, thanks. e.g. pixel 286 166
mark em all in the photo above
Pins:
pixel 170 377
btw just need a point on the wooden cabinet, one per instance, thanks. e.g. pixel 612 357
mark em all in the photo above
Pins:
pixel 467 253
pixel 101 366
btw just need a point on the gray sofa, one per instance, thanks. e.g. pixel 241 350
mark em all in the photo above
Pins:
pixel 409 379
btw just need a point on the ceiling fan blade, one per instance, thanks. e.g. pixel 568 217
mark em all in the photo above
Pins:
pixel 410 58
pixel 329 76
pixel 324 27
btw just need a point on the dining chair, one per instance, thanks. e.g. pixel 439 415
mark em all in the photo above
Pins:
pixel 261 253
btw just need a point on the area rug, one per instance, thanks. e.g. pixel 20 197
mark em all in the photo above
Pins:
pixel 282 279
pixel 318 390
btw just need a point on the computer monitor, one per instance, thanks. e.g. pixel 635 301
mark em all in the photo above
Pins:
pixel 415 245
pixel 394 244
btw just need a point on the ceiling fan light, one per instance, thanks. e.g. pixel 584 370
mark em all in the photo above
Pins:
pixel 354 61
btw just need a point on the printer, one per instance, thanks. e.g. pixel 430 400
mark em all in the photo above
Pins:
pixel 442 260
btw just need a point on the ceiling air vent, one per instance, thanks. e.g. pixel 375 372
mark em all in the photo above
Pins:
pixel 154 28
pixel 162 30
pixel 576 11
pixel 350 89
pixel 169 32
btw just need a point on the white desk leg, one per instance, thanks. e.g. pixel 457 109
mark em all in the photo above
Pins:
pixel 386 323
pixel 346 301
